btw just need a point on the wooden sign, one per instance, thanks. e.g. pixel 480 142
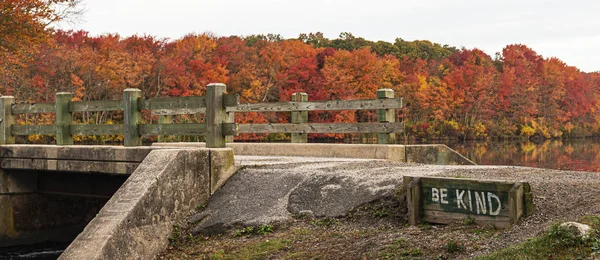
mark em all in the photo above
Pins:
pixel 447 200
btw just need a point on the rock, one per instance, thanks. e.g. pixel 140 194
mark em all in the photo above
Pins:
pixel 330 196
pixel 582 229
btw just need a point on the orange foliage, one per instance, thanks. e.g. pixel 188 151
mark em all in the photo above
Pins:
pixel 448 92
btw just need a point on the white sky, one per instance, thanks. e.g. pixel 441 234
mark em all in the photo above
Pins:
pixel 569 30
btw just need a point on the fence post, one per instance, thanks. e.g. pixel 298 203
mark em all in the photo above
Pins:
pixel 8 120
pixel 299 117
pixel 133 117
pixel 64 118
pixel 215 115
pixel 166 119
pixel 229 118
pixel 386 116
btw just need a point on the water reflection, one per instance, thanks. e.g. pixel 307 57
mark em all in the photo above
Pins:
pixel 46 251
pixel 578 155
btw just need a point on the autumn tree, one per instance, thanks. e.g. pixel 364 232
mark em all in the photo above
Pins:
pixel 24 24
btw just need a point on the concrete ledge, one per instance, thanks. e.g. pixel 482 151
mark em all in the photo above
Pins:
pixel 370 151
pixel 76 152
pixel 69 165
pixel 427 154
pixel 137 220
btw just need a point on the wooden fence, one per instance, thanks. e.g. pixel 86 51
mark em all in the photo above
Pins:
pixel 219 109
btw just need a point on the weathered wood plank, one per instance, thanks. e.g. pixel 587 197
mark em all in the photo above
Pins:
pixel 64 118
pixel 229 100
pixel 132 116
pixel 445 200
pixel 183 129
pixel 173 129
pixel 299 117
pixel 386 116
pixel 471 208
pixel 336 128
pixel 33 130
pixel 412 186
pixel 164 120
pixel 7 120
pixel 97 105
pixel 458 183
pixel 451 217
pixel 318 105
pixel 178 111
pixel 173 103
pixel 215 115
pixel 33 108
pixel 96 129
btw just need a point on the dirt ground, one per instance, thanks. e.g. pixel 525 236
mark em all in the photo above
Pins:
pixel 379 230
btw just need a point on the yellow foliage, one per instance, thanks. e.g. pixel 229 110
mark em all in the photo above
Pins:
pixel 480 130
pixel 452 124
pixel 527 131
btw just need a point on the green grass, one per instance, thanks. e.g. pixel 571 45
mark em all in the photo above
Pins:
pixel 257 251
pixel 557 243
pixel 323 222
pixel 253 230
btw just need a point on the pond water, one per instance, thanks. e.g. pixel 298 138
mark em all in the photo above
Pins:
pixel 576 155
pixel 45 251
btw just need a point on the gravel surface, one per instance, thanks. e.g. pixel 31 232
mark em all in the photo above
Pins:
pixel 275 189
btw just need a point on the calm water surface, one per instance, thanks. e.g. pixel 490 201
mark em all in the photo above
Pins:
pixel 576 155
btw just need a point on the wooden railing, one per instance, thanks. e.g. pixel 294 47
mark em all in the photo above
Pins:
pixel 219 109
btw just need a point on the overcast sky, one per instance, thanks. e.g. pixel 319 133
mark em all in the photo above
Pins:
pixel 569 30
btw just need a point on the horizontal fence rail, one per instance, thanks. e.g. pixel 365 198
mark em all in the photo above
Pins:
pixel 322 128
pixel 318 105
pixel 219 109
pixel 96 106
pixel 33 108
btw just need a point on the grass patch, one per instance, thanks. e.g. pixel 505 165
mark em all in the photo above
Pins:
pixel 200 207
pixel 557 243
pixel 253 230
pixel 469 221
pixel 257 251
pixel 323 222
pixel 398 249
pixel 175 235
pixel 453 247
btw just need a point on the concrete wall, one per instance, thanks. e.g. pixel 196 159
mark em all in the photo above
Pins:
pixel 50 193
pixel 136 222
pixel 427 154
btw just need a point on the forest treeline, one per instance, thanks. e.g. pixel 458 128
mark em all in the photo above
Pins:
pixel 448 91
